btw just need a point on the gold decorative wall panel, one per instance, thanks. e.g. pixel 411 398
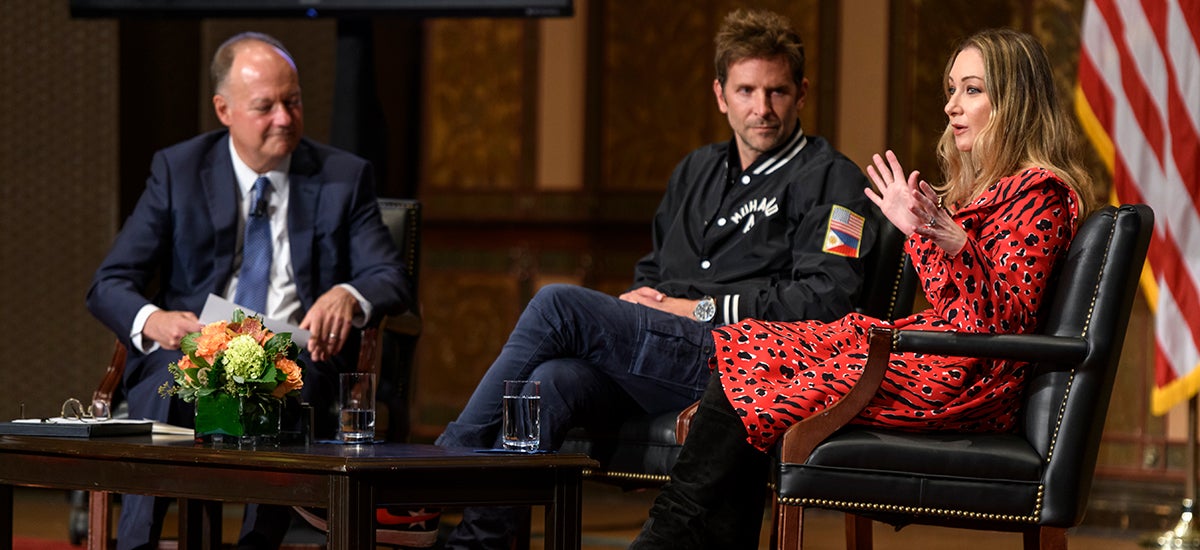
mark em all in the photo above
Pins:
pixel 657 100
pixel 58 204
pixel 467 315
pixel 476 113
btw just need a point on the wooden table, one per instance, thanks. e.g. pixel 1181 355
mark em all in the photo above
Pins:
pixel 347 480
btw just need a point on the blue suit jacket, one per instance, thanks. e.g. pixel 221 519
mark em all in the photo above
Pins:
pixel 183 235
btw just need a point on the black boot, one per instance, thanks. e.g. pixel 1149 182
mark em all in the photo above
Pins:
pixel 715 496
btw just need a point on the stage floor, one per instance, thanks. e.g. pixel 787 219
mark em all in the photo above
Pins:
pixel 611 519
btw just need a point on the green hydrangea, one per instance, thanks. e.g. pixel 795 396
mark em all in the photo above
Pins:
pixel 244 358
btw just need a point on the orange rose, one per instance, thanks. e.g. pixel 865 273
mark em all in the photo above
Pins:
pixel 212 340
pixel 295 378
pixel 184 363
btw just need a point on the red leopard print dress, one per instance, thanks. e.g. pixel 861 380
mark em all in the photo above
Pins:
pixel 776 374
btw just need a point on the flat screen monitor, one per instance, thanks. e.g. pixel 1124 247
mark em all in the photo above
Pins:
pixel 320 8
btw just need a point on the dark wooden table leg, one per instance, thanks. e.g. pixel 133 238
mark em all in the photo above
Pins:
pixel 563 515
pixel 214 521
pixel 351 514
pixel 189 525
pixel 200 524
pixel 6 517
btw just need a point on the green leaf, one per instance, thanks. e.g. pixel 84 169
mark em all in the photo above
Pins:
pixel 188 344
pixel 238 316
pixel 278 344
pixel 193 373
pixel 199 361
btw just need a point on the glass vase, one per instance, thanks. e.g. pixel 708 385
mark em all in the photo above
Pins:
pixel 245 421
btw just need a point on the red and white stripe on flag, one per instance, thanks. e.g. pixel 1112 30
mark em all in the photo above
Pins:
pixel 1139 102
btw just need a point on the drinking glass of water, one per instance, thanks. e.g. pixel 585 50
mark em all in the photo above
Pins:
pixel 356 407
pixel 522 421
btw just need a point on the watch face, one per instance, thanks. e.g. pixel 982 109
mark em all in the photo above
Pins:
pixel 705 310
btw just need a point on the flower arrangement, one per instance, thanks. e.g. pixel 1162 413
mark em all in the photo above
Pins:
pixel 237 372
pixel 239 357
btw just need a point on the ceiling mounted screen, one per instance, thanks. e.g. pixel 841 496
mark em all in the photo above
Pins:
pixel 320 8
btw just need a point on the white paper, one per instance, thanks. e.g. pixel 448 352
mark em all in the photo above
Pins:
pixel 161 428
pixel 217 308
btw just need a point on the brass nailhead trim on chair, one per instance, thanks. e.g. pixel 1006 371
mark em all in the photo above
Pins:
pixel 910 510
pixel 410 217
pixel 600 474
pixel 896 285
pixel 1087 324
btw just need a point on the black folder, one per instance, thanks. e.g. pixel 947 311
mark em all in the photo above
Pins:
pixel 61 427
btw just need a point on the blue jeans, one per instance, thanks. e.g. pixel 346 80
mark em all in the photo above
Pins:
pixel 599 360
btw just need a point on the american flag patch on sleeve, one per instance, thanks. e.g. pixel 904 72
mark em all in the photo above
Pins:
pixel 844 233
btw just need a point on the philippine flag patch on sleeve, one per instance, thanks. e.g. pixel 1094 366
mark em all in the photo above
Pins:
pixel 844 234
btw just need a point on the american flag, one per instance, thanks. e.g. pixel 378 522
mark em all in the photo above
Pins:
pixel 1139 102
pixel 846 221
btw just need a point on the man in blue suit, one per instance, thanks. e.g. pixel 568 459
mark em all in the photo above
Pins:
pixel 332 264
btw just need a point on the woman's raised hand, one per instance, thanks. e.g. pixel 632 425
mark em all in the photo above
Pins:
pixel 898 197
pixel 911 204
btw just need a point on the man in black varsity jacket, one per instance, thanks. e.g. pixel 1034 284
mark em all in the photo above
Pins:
pixel 769 225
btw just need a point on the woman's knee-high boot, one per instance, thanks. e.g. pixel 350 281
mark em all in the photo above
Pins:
pixel 715 496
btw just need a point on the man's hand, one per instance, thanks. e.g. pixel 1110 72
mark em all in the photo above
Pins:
pixel 652 298
pixel 169 327
pixel 328 321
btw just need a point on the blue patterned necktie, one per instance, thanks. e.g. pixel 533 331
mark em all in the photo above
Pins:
pixel 255 276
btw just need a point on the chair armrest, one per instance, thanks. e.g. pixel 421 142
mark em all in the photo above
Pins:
pixel 802 437
pixel 368 350
pixel 684 422
pixel 112 376
pixel 1020 347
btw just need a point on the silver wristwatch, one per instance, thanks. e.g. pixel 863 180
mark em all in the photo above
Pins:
pixel 705 310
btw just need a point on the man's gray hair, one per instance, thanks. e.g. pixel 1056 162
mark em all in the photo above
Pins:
pixel 223 60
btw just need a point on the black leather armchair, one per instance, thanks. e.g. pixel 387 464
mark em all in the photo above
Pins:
pixel 640 452
pixel 1035 481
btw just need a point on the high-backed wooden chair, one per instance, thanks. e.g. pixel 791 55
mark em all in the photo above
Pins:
pixel 386 349
pixel 1034 481
pixel 641 451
